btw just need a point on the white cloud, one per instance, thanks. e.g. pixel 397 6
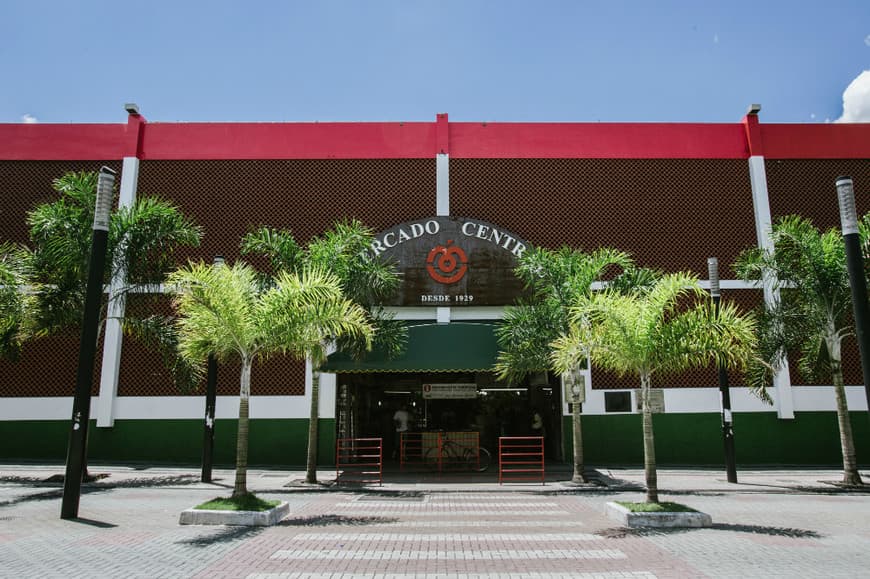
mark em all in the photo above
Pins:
pixel 29 119
pixel 856 100
pixel 715 39
pixel 867 40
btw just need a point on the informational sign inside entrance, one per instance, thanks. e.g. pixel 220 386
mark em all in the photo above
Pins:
pixel 452 261
pixel 449 391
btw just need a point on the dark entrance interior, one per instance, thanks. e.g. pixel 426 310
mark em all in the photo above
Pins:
pixel 367 403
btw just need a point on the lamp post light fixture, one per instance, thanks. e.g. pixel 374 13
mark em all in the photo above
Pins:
pixel 724 391
pixel 210 407
pixel 78 437
pixel 855 266
pixel 575 384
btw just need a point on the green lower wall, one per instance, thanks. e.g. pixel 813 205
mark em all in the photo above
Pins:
pixel 812 438
pixel 278 442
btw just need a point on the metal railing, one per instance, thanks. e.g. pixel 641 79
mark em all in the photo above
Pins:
pixel 442 452
pixel 521 458
pixel 359 460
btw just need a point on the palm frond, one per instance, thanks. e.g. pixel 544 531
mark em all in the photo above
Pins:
pixel 159 333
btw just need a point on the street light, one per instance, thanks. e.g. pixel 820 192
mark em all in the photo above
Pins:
pixel 210 405
pixel 724 392
pixel 574 383
pixel 78 437
pixel 855 265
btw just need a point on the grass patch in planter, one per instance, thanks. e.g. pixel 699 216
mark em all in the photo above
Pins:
pixel 247 502
pixel 656 507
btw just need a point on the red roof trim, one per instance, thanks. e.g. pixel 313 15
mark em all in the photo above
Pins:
pixel 597 140
pixel 195 141
pixel 42 142
pixel 289 141
pixel 816 141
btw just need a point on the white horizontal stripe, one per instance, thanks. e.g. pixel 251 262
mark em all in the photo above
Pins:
pixel 474 574
pixel 677 400
pixel 465 513
pixel 474 524
pixel 372 504
pixel 435 537
pixel 500 554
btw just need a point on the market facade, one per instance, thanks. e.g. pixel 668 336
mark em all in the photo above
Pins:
pixel 454 204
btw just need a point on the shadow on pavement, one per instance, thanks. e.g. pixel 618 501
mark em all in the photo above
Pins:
pixel 35 497
pixel 624 532
pixel 224 535
pixel 93 523
pixel 104 481
pixel 101 485
pixel 327 520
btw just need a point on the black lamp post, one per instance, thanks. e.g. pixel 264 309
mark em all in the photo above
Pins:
pixel 77 450
pixel 210 404
pixel 855 265
pixel 725 393
pixel 575 384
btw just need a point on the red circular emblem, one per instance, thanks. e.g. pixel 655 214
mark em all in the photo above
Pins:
pixel 447 264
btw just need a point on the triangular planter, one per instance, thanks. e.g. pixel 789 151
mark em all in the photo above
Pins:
pixel 240 518
pixel 628 518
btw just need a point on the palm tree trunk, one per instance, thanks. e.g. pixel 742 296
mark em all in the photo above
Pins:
pixel 649 447
pixel 313 418
pixel 847 444
pixel 579 474
pixel 241 486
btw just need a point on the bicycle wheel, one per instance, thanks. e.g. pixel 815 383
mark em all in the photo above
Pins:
pixel 431 459
pixel 485 459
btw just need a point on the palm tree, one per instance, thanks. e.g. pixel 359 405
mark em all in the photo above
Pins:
pixel 652 331
pixel 366 281
pixel 556 279
pixel 229 312
pixel 143 240
pixel 813 314
pixel 13 301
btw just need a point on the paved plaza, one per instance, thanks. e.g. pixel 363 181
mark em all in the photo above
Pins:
pixel 773 523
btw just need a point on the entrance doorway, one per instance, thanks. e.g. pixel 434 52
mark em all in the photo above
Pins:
pixel 367 404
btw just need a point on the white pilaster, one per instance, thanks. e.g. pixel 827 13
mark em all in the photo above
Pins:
pixel 115 313
pixel 761 203
pixel 442 207
pixel 442 185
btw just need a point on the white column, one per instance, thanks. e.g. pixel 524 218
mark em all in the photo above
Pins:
pixel 442 207
pixel 113 337
pixel 783 395
pixel 442 185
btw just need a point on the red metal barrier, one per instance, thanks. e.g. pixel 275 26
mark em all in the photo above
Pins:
pixel 359 460
pixel 521 458
pixel 443 452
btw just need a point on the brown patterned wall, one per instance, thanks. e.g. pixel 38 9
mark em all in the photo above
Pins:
pixel 807 188
pixel 669 214
pixel 229 198
pixel 47 366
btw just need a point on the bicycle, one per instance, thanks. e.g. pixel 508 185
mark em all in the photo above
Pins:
pixel 457 456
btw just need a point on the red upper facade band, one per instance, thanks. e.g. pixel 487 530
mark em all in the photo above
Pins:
pixel 416 140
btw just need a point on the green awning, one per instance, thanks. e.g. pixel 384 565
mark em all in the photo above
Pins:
pixel 457 347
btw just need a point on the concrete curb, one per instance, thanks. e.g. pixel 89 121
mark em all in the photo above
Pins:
pixel 632 519
pixel 239 518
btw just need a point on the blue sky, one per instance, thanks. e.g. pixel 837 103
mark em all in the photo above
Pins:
pixel 406 60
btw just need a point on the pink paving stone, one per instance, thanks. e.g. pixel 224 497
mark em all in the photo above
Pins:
pixel 640 554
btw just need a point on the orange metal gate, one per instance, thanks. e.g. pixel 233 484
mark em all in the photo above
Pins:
pixel 521 458
pixel 441 451
pixel 359 460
